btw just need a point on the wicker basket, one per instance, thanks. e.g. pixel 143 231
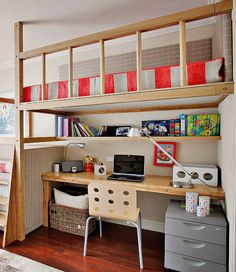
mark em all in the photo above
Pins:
pixel 68 219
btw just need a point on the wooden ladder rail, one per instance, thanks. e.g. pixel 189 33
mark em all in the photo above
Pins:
pixel 10 227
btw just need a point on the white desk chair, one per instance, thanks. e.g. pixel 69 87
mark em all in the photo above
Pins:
pixel 114 201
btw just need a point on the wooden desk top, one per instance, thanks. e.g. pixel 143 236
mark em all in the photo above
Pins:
pixel 155 184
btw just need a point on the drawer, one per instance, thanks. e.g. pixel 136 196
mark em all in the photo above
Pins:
pixel 188 264
pixel 202 250
pixel 196 231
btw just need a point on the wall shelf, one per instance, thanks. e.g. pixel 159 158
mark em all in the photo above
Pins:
pixel 187 97
pixel 163 138
pixel 116 139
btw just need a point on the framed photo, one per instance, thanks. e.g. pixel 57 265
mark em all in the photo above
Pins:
pixel 160 158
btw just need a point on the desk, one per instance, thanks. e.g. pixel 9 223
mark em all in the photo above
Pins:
pixel 154 184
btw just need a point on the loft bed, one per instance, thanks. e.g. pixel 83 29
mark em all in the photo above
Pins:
pixel 74 96
pixel 155 88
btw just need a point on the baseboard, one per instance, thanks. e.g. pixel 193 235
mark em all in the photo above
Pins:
pixel 146 224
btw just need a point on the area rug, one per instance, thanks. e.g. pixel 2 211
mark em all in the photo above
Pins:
pixel 10 262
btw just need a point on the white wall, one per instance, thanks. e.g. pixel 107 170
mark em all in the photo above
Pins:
pixel 226 158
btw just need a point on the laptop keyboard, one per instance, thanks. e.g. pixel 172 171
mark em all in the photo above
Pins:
pixel 125 178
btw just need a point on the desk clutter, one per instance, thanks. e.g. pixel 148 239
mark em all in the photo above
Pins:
pixel 201 208
pixel 68 210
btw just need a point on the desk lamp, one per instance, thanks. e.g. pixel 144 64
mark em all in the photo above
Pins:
pixel 134 132
pixel 81 145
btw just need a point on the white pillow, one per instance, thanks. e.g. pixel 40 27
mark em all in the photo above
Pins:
pixel 80 202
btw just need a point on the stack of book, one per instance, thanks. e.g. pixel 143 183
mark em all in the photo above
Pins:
pixel 72 127
pixel 185 125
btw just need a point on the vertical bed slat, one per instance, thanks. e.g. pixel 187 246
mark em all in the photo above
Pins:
pixel 43 76
pixel 139 59
pixel 102 66
pixel 182 48
pixel 70 81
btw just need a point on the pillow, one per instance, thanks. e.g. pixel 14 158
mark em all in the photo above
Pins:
pixel 5 166
pixel 79 202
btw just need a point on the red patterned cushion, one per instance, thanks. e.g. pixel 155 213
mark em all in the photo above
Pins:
pixel 160 77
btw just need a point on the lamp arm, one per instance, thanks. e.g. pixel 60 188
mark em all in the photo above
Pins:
pixel 65 150
pixel 166 153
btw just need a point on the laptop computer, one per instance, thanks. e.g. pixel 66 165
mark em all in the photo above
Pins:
pixel 128 168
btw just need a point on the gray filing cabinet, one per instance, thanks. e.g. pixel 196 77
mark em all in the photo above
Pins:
pixel 194 244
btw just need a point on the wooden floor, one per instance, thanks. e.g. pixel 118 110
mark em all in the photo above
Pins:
pixel 116 251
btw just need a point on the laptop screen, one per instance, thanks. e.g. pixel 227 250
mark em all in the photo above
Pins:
pixel 129 164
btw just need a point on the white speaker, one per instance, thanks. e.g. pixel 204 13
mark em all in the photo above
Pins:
pixel 206 172
pixel 100 169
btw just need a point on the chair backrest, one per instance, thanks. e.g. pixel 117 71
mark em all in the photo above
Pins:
pixel 112 200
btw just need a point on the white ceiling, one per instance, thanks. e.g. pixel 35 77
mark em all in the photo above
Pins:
pixel 49 21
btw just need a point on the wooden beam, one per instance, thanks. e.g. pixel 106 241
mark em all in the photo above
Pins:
pixel 7 100
pixel 70 82
pixel 61 113
pixel 30 123
pixel 102 66
pixel 139 59
pixel 221 99
pixel 152 24
pixel 141 96
pixel 43 76
pixel 30 140
pixel 10 231
pixel 182 49
pixel 19 120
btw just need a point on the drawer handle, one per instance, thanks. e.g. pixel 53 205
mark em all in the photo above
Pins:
pixel 193 262
pixel 194 244
pixel 194 226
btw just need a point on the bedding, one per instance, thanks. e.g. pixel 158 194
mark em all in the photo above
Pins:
pixel 202 72
pixel 5 166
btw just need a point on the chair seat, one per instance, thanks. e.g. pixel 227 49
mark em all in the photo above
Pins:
pixel 125 217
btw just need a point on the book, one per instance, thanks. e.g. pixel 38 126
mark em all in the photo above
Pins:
pixel 177 127
pixel 83 130
pixel 172 127
pixel 183 124
pixel 157 127
pixel 56 126
pixel 203 125
pixel 65 122
pixel 59 126
pixel 89 130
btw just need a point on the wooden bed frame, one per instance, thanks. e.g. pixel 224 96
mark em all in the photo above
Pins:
pixel 75 105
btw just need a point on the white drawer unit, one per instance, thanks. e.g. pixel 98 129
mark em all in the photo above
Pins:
pixel 195 243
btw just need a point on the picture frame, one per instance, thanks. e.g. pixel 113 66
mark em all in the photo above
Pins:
pixel 160 159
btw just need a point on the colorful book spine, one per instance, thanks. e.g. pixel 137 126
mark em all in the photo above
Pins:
pixel 183 124
pixel 65 127
pixel 56 126
pixel 177 127
pixel 172 127
pixel 60 126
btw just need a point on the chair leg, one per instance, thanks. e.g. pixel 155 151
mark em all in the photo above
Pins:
pixel 100 226
pixel 139 236
pixel 86 233
pixel 140 226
